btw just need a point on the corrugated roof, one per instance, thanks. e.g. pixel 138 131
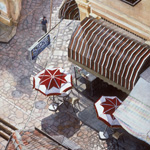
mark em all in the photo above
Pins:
pixel 33 140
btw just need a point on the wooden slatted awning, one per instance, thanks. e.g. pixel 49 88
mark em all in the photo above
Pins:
pixel 69 10
pixel 115 58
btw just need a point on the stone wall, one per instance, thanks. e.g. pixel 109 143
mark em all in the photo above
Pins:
pixel 10 11
pixel 134 19
pixel 15 8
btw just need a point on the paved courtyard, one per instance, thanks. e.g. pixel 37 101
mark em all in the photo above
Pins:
pixel 18 98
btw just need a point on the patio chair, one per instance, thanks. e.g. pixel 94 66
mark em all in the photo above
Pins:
pixel 64 96
pixel 74 102
pixel 117 135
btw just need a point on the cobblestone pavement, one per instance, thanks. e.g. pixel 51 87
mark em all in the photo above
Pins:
pixel 17 71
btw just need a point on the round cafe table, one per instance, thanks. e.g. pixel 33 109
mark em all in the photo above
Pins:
pixel 63 98
pixel 64 95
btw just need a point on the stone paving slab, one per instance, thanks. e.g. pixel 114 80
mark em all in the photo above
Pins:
pixel 17 71
pixel 68 125
pixel 89 117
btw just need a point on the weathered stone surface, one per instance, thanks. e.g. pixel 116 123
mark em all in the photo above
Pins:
pixel 17 94
pixel 17 103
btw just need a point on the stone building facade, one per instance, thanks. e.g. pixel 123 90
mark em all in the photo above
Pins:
pixel 132 18
pixel 10 11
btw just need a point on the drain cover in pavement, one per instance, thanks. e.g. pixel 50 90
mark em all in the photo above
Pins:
pixel 16 94
pixel 25 81
pixel 40 105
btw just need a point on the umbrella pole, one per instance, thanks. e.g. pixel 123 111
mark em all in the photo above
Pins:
pixel 105 129
pixel 54 103
pixel 53 98
pixel 103 135
pixel 53 106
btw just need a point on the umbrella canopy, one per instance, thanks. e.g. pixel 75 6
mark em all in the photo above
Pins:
pixel 105 107
pixel 52 81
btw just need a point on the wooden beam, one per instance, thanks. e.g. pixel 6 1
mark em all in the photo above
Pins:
pixel 2 128
pixel 8 124
pixel 4 136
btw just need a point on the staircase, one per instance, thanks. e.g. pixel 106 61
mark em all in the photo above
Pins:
pixel 6 130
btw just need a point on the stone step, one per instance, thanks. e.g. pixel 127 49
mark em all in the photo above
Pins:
pixel 4 136
pixel 6 129
pixel 8 124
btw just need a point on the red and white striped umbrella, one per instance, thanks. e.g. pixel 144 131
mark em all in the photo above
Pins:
pixel 105 107
pixel 52 81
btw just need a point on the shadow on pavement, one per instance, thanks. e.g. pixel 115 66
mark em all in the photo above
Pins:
pixel 104 89
pixel 125 142
pixel 62 122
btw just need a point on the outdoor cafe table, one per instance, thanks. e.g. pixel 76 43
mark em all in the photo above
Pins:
pixel 61 99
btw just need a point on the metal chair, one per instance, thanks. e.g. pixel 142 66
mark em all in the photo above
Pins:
pixel 64 97
pixel 74 101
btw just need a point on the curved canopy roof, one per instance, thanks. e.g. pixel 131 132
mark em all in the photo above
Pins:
pixel 108 54
pixel 69 10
